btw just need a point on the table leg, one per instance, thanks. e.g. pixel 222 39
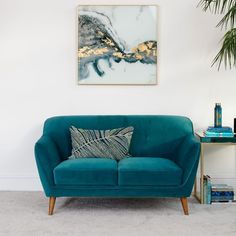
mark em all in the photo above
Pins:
pixel 201 173
pixel 195 187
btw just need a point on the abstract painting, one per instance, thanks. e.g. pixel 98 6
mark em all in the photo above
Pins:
pixel 117 44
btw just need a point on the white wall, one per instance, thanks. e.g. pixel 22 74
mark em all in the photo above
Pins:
pixel 38 77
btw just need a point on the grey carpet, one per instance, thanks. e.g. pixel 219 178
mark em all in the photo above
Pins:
pixel 25 213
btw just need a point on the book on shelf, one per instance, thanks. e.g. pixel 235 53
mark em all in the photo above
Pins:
pixel 222 187
pixel 206 189
pixel 223 129
pixel 222 193
pixel 222 198
pixel 217 134
pixel 213 193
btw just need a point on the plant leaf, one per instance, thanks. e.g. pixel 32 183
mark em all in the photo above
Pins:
pixel 217 6
pixel 229 18
pixel 227 51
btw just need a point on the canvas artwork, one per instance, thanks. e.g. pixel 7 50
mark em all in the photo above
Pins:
pixel 117 44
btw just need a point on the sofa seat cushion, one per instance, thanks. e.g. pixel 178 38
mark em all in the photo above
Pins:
pixel 142 171
pixel 86 171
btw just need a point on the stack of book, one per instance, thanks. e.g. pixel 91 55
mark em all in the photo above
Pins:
pixel 222 193
pixel 213 193
pixel 224 131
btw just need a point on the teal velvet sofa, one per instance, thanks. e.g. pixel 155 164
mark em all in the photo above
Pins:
pixel 164 150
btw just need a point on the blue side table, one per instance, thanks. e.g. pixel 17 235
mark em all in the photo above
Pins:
pixel 205 141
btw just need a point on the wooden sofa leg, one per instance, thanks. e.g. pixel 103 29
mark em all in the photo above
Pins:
pixel 184 202
pixel 52 201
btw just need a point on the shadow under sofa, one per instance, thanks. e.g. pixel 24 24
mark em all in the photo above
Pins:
pixel 163 163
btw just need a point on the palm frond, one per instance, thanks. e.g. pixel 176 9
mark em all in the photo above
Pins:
pixel 217 6
pixel 227 52
pixel 229 18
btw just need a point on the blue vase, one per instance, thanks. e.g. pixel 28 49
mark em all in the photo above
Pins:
pixel 218 115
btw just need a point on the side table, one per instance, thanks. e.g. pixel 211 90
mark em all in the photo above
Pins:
pixel 205 141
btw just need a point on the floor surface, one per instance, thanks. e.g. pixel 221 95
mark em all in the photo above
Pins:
pixel 25 213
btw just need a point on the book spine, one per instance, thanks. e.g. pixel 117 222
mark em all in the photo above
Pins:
pixel 220 130
pixel 209 190
pixel 222 199
pixel 213 134
pixel 222 193
pixel 204 190
pixel 222 190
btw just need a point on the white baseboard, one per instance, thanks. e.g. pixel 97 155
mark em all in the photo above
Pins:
pixel 20 183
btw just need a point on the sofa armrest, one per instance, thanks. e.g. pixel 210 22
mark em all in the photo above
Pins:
pixel 47 158
pixel 187 158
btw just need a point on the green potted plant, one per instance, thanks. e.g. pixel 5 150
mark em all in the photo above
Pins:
pixel 227 8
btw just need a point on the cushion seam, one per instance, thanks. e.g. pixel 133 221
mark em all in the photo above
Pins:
pixel 149 171
pixel 87 170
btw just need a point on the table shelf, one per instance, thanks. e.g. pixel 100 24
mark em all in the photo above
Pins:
pixel 205 141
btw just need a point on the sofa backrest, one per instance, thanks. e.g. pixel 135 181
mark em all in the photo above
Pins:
pixel 154 135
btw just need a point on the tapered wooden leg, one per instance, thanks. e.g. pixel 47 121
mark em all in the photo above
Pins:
pixel 52 201
pixel 184 202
